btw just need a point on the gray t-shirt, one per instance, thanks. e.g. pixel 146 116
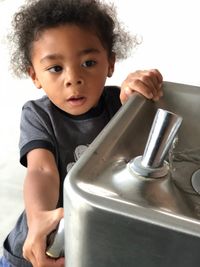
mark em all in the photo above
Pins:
pixel 43 125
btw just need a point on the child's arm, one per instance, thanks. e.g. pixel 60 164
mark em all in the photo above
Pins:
pixel 41 193
pixel 145 82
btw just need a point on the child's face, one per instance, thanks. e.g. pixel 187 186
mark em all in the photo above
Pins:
pixel 71 66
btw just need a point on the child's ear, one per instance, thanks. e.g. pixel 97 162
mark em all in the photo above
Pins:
pixel 33 76
pixel 110 72
pixel 111 67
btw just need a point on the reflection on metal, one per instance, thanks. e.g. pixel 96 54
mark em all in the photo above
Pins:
pixel 163 131
pixel 117 217
pixel 55 242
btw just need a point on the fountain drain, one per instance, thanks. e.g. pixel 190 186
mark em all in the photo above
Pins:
pixel 196 181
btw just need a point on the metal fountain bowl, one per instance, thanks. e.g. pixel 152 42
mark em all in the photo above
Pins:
pixel 116 218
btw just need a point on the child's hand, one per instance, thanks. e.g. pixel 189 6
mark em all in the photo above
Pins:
pixel 35 245
pixel 145 82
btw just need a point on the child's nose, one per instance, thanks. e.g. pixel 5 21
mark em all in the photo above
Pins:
pixel 73 77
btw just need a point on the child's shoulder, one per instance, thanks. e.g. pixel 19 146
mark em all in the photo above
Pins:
pixel 42 102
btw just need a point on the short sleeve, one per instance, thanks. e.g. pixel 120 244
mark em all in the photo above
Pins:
pixel 35 131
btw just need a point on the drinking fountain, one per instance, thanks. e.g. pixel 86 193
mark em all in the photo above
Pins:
pixel 129 200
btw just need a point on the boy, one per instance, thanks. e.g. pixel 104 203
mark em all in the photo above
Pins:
pixel 68 48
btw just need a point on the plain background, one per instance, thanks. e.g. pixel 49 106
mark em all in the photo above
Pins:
pixel 171 42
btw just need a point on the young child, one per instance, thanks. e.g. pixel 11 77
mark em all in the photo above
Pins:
pixel 68 48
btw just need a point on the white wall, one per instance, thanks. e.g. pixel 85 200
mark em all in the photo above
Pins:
pixel 171 37
pixel 171 43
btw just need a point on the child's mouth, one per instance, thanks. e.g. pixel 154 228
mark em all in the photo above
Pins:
pixel 76 101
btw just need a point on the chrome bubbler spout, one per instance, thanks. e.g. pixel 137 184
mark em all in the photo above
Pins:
pixel 163 131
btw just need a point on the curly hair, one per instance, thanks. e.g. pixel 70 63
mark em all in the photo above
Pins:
pixel 37 15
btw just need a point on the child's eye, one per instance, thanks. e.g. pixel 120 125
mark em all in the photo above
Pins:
pixel 55 69
pixel 89 63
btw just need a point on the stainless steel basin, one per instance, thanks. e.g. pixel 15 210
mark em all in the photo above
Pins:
pixel 115 218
